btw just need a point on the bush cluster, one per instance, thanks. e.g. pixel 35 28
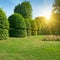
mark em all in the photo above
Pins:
pixel 51 38
pixel 20 27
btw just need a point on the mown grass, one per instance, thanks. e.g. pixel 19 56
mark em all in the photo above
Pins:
pixel 29 48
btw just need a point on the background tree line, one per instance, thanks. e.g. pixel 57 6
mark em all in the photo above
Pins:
pixel 21 24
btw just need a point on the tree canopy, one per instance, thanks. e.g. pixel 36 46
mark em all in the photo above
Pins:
pixel 56 6
pixel 25 9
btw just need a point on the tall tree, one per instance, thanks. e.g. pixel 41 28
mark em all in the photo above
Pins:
pixel 55 23
pixel 25 9
pixel 55 18
pixel 17 9
pixel 56 6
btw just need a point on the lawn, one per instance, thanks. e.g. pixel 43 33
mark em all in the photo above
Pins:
pixel 29 48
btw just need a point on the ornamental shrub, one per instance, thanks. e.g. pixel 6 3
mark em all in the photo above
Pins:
pixel 4 24
pixel 17 32
pixel 28 27
pixel 17 26
pixel 33 27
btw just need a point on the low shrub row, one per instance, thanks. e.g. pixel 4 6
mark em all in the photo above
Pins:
pixel 51 38
pixel 16 26
pixel 20 27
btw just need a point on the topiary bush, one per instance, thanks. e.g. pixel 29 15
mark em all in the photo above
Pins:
pixel 28 27
pixel 17 33
pixel 33 27
pixel 4 25
pixel 37 20
pixel 17 26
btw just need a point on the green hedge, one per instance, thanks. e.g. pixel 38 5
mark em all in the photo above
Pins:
pixel 4 25
pixel 16 21
pixel 18 24
pixel 28 27
pixel 17 32
pixel 33 27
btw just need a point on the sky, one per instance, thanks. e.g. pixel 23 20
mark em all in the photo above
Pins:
pixel 40 7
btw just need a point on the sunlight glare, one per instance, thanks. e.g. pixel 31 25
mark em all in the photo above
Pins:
pixel 46 14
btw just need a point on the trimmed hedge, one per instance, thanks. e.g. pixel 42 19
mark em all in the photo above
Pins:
pixel 17 33
pixel 38 26
pixel 33 27
pixel 4 25
pixel 16 21
pixel 28 27
pixel 17 26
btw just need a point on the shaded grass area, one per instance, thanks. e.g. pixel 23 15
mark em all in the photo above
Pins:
pixel 29 48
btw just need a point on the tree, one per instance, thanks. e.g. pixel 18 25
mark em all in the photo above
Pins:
pixel 55 18
pixel 17 9
pixel 4 25
pixel 56 6
pixel 17 26
pixel 25 9
pixel 55 23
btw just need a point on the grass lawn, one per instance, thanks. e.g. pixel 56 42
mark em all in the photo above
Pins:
pixel 29 48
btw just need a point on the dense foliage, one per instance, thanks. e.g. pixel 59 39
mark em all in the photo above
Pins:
pixel 25 9
pixel 33 27
pixel 56 6
pixel 28 27
pixel 38 25
pixel 17 9
pixel 4 25
pixel 55 18
pixel 21 22
pixel 55 23
pixel 17 25
pixel 42 26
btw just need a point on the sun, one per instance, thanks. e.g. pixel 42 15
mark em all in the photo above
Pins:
pixel 47 14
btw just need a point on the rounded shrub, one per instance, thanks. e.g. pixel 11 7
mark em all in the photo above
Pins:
pixel 17 26
pixel 28 27
pixel 4 25
pixel 33 27
pixel 16 21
